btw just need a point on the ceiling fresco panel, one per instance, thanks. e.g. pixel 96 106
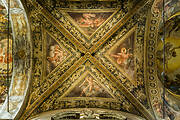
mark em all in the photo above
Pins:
pixel 88 86
pixel 89 35
pixel 59 13
pixel 89 22
pixel 129 36
pixel 55 53
pixel 121 54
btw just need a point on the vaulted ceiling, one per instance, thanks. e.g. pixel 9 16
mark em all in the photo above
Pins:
pixel 92 54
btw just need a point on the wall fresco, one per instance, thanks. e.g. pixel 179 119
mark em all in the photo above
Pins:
pixel 171 7
pixel 165 102
pixel 171 78
pixel 4 55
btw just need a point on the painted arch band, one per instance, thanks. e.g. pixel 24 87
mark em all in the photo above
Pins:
pixel 19 58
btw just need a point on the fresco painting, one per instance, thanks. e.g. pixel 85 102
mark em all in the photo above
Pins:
pixel 89 87
pixel 171 78
pixel 5 56
pixel 172 56
pixel 2 91
pixel 171 7
pixel 55 53
pixel 89 22
pixel 171 106
pixel 122 55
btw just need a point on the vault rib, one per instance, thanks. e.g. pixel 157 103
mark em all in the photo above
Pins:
pixel 68 35
pixel 128 95
pixel 58 25
pixel 52 88
pixel 117 26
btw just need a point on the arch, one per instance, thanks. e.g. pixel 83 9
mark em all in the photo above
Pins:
pixel 86 113
pixel 21 73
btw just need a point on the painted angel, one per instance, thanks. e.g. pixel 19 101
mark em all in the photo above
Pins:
pixel 122 57
pixel 56 55
pixel 90 86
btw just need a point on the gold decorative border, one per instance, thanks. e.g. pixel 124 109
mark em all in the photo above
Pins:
pixel 152 85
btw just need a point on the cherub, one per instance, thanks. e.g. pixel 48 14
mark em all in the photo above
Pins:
pixel 90 20
pixel 87 20
pixel 91 84
pixel 56 55
pixel 122 56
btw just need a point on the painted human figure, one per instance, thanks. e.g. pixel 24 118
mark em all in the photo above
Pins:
pixel 122 57
pixel 56 55
pixel 90 20
pixel 89 87
pixel 1 54
pixel 158 107
pixel 4 56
